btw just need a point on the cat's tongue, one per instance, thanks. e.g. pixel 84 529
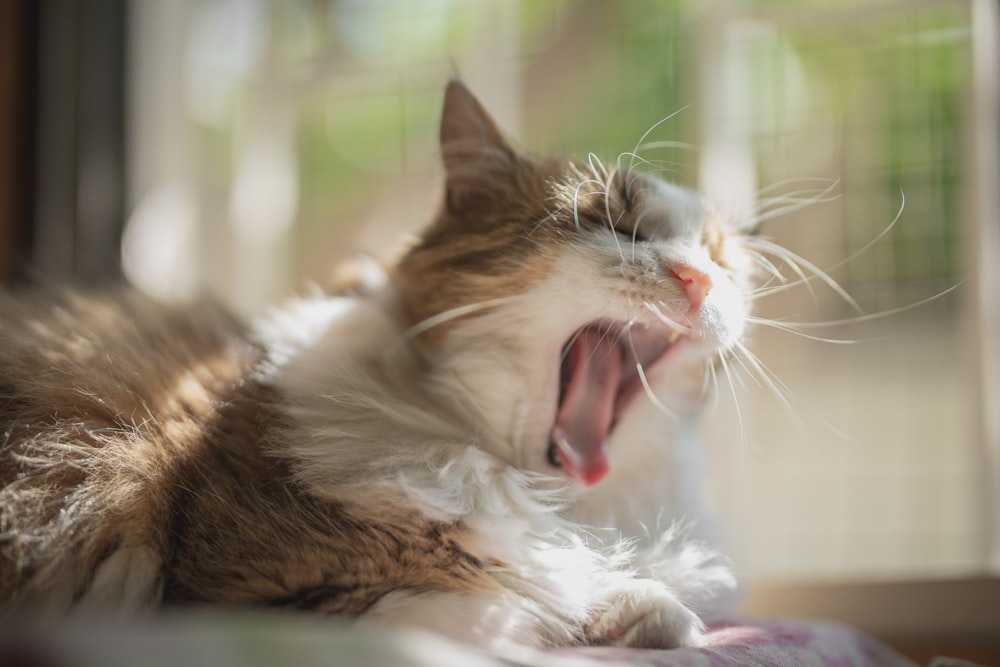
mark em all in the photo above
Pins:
pixel 592 372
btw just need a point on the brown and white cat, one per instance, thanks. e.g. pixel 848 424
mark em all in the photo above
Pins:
pixel 439 448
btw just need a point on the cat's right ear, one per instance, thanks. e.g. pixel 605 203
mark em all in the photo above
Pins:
pixel 473 149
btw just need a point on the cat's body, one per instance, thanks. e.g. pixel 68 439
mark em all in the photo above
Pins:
pixel 440 451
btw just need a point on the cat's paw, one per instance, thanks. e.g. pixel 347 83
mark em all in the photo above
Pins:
pixel 645 614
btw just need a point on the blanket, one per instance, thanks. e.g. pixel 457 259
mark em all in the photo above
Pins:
pixel 191 639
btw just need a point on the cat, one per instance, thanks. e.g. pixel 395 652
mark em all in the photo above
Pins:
pixel 491 437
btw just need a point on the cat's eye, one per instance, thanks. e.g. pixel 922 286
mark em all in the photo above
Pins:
pixel 630 233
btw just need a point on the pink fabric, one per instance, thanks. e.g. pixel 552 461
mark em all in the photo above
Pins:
pixel 759 643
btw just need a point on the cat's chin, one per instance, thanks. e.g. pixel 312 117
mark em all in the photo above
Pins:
pixel 603 368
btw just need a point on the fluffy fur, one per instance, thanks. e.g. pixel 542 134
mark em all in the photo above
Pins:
pixel 414 452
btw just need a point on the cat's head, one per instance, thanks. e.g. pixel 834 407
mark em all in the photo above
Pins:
pixel 556 296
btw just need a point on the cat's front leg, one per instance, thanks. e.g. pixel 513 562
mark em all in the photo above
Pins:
pixel 644 613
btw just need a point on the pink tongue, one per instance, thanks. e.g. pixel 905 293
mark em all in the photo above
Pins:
pixel 584 418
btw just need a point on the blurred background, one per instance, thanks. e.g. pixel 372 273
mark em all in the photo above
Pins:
pixel 242 147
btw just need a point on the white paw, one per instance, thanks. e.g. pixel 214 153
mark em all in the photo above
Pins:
pixel 645 614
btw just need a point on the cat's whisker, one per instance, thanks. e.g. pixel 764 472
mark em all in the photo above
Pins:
pixel 448 315
pixel 784 393
pixel 635 228
pixel 767 376
pixel 797 179
pixel 795 329
pixel 796 262
pixel 656 145
pixel 769 267
pixel 631 174
pixel 568 344
pixel 795 198
pixel 668 321
pixel 710 385
pixel 576 198
pixel 655 125
pixel 647 389
pixel 654 165
pixel 733 392
pixel 763 216
pixel 613 224
pixel 656 168
pixel 605 334
pixel 802 196
pixel 551 215
pixel 777 206
pixel 597 167
pixel 651 395
pixel 753 377
pixel 766 290
pixel 866 247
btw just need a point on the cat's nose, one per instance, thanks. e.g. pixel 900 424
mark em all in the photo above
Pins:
pixel 696 284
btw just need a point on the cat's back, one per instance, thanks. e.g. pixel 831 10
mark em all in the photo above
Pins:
pixel 111 357
pixel 103 395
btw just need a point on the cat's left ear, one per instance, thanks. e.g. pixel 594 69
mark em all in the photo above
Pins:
pixel 472 147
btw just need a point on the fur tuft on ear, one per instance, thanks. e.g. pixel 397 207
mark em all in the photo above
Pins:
pixel 472 147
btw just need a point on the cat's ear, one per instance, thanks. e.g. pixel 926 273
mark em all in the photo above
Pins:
pixel 473 149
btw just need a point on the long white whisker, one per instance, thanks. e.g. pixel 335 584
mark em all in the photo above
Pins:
pixel 749 374
pixel 793 201
pixel 655 125
pixel 656 145
pixel 859 319
pixel 451 314
pixel 612 224
pixel 576 198
pixel 881 235
pixel 781 211
pixel 792 329
pixel 794 260
pixel 711 382
pixel 736 402
pixel 817 195
pixel 779 388
pixel 780 205
pixel 789 261
pixel 676 326
pixel 769 266
pixel 831 182
pixel 552 215
pixel 654 166
pixel 597 167
pixel 649 391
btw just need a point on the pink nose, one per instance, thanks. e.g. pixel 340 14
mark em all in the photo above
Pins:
pixel 696 284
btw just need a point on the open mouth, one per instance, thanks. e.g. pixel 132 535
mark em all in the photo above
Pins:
pixel 599 378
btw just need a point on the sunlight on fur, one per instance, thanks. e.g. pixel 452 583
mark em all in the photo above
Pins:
pixel 493 438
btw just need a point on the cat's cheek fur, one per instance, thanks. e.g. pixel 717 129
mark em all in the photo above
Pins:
pixel 506 360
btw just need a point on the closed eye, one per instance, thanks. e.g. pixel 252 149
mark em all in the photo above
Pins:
pixel 631 235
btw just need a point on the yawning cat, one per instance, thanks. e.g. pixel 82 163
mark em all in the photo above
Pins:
pixel 455 445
